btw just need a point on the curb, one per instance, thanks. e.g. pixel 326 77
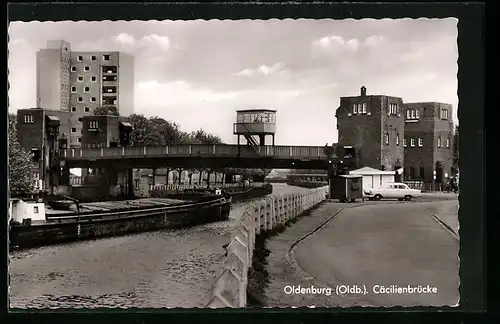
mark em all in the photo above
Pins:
pixel 450 230
pixel 289 254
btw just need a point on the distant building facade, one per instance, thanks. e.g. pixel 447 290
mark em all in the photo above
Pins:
pixel 79 82
pixel 32 125
pixel 428 141
pixel 374 126
pixel 104 131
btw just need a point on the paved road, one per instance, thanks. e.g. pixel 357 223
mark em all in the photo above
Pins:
pixel 156 269
pixel 374 244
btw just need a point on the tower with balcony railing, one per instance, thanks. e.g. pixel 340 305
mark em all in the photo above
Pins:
pixel 254 125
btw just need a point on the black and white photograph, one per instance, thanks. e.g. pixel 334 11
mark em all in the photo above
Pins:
pixel 233 163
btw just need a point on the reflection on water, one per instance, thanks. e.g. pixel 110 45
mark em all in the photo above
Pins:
pixel 166 268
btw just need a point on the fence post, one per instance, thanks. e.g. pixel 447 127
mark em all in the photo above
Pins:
pixel 256 218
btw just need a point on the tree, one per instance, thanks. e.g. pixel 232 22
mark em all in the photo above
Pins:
pixel 103 111
pixel 153 131
pixel 202 137
pixel 20 182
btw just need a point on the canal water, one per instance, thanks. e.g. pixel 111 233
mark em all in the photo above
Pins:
pixel 167 268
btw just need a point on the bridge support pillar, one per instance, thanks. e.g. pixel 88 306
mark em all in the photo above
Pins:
pixel 130 183
pixel 262 140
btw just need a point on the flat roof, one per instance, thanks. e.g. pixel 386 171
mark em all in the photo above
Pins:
pixel 52 117
pixel 426 103
pixel 351 175
pixel 256 110
pixel 370 96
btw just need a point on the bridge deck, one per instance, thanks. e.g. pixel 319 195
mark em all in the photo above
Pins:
pixel 183 151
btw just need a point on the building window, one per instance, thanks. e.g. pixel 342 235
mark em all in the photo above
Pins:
pixel 422 173
pixel 93 58
pixel 393 109
pixel 93 124
pixel 363 107
pixel 444 113
pixel 137 184
pixel 420 142
pixel 355 109
pixel 79 139
pixel 29 119
pixel 412 172
pixel 79 58
pixel 86 68
pixel 405 142
pixel 80 119
pixel 80 99
pixel 92 99
pixel 73 109
pixel 73 69
pixel 105 57
pixel 448 142
pixel 73 89
pixel 439 141
pixel 93 79
pixel 387 139
pixel 86 89
pixel 87 109
pixel 412 114
pixel 80 78
pixel 412 142
pixel 35 209
pixel 397 139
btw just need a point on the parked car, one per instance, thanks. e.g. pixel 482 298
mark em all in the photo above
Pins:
pixel 393 190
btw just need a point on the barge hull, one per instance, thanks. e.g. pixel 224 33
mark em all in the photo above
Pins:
pixel 22 237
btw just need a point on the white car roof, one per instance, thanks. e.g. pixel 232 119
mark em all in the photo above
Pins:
pixel 396 183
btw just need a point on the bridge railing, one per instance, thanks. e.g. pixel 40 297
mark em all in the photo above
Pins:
pixel 230 286
pixel 219 150
pixel 181 187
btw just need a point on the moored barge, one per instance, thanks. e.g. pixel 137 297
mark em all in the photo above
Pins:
pixel 35 224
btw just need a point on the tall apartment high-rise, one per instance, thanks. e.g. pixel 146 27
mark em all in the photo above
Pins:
pixel 374 126
pixel 88 80
pixel 52 76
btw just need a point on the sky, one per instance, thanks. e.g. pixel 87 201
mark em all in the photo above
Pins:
pixel 198 73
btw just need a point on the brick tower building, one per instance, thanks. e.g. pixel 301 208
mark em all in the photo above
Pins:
pixel 374 126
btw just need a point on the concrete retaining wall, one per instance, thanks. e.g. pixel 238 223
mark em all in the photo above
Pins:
pixel 230 286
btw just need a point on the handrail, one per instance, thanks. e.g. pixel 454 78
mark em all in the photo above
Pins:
pixel 189 150
pixel 230 286
pixel 137 211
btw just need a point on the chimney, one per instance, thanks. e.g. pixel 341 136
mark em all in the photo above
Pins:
pixel 363 91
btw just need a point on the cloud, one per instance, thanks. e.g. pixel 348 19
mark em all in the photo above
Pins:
pixel 162 42
pixel 335 42
pixel 262 70
pixel 329 45
pixel 125 39
pixel 374 40
pixel 329 41
pixel 149 44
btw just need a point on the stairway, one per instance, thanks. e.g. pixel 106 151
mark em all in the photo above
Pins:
pixel 251 141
